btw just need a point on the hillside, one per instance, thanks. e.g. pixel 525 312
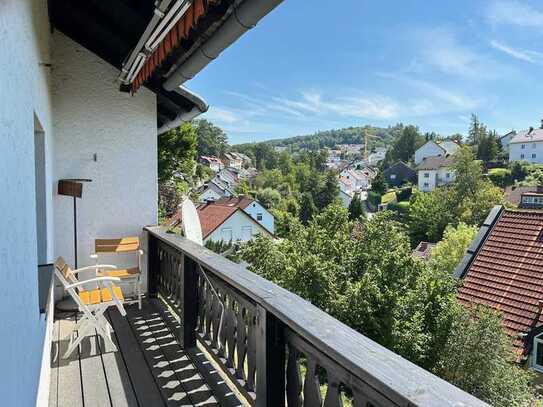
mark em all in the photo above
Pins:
pixel 330 138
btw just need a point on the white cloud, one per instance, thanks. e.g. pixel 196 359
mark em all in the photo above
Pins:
pixel 222 115
pixel 512 12
pixel 533 57
pixel 442 49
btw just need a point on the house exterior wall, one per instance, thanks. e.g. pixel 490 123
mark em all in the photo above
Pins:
pixel 430 149
pixel 209 193
pixel 345 198
pixel 268 221
pixel 92 117
pixel 427 183
pixel 519 153
pixel 25 89
pixel 445 175
pixel 236 223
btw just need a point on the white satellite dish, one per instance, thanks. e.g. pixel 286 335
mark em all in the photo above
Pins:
pixel 191 222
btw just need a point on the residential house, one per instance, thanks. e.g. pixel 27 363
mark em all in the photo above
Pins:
pixel 435 171
pixel 214 163
pixel 346 185
pixel 527 146
pixel 435 149
pixel 350 149
pixel 377 156
pixel 513 194
pixel 233 160
pixel 346 197
pixel 253 208
pixel 399 174
pixel 65 116
pixel 505 140
pixel 228 223
pixel 532 199
pixel 503 270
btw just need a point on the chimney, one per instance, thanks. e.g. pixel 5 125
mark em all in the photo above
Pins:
pixel 531 129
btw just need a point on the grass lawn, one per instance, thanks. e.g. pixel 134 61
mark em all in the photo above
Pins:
pixel 388 197
pixel 495 171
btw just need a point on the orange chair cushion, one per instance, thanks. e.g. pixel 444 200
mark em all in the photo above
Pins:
pixel 100 295
pixel 121 273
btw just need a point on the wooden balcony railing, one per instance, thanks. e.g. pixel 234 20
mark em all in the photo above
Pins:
pixel 276 348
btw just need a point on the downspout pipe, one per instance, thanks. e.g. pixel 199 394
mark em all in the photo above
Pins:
pixel 244 17
pixel 200 106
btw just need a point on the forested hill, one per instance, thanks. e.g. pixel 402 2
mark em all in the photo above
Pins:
pixel 330 138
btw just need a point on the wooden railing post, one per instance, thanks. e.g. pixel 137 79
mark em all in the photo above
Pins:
pixel 270 360
pixel 190 302
pixel 153 266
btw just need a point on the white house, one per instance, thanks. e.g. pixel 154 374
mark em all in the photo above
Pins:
pixel 233 160
pixel 228 224
pixel 346 197
pixel 253 208
pixel 214 163
pixel 81 101
pixel 360 179
pixel 527 146
pixel 434 149
pixel 433 172
pixel 506 139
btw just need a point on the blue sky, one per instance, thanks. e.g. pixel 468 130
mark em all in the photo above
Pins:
pixel 318 65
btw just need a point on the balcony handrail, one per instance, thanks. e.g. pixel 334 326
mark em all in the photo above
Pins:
pixel 400 380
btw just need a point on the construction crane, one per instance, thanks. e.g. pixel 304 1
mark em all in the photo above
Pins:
pixel 366 136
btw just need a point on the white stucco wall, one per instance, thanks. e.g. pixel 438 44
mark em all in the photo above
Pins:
pixel 24 86
pixel 236 223
pixel 91 116
pixel 518 153
pixel 268 221
pixel 430 149
pixel 431 180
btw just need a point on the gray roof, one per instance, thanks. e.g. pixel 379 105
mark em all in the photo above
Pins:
pixel 435 163
pixel 449 146
pixel 527 136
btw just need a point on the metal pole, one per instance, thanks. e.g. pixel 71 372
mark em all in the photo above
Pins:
pixel 75 232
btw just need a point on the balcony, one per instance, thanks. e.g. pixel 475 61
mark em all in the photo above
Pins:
pixel 213 333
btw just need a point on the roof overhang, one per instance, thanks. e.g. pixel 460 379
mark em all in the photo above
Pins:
pixel 110 29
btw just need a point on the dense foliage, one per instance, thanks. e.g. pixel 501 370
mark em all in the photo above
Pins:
pixel 468 199
pixel 364 275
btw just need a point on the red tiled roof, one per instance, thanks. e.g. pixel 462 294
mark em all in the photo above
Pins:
pixel 507 272
pixel 212 216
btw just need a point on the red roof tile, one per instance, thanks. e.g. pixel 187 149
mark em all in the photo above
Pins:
pixel 507 272
pixel 212 216
pixel 238 202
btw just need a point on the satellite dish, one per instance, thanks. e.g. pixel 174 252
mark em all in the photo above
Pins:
pixel 191 222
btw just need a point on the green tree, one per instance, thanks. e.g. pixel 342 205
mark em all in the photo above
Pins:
pixel 477 130
pixel 177 153
pixel 450 250
pixel 212 140
pixel 243 188
pixel 329 191
pixel 429 214
pixel 378 184
pixel 405 146
pixel 487 148
pixel 478 357
pixel 269 197
pixel 356 210
pixel 307 208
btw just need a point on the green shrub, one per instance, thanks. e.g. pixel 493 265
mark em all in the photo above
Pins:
pixel 500 177
pixel 374 199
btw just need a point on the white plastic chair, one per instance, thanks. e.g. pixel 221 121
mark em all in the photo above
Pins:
pixel 91 302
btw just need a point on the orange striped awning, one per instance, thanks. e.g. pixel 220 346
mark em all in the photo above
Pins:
pixel 171 41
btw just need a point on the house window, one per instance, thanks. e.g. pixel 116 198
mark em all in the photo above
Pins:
pixel 533 145
pixel 246 233
pixel 537 362
pixel 426 175
pixel 226 234
pixel 426 185
pixel 521 156
pixel 448 175
pixel 523 146
pixel 392 176
pixel 259 216
pixel 534 155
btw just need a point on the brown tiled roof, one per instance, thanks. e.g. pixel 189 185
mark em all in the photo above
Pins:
pixel 212 216
pixel 507 272
pixel 241 202
pixel 435 163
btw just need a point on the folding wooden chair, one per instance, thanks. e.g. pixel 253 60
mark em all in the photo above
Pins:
pixel 124 245
pixel 91 302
